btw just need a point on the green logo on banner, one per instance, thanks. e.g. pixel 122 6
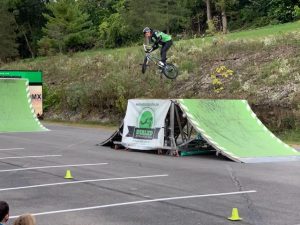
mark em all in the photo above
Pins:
pixel 146 119
pixel 145 128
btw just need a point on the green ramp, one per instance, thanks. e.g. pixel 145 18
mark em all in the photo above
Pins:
pixel 233 129
pixel 16 112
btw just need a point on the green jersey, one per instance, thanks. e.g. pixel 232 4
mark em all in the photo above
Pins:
pixel 160 37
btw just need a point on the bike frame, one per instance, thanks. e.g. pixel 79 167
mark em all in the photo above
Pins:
pixel 154 59
pixel 168 69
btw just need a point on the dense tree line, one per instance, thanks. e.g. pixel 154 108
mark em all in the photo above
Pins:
pixel 43 27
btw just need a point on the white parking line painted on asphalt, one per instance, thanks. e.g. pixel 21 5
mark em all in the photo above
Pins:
pixel 46 167
pixel 139 202
pixel 9 149
pixel 30 156
pixel 83 181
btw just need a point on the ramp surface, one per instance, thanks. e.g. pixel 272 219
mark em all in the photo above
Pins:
pixel 232 128
pixel 16 112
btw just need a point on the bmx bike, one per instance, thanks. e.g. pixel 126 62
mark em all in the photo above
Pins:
pixel 168 69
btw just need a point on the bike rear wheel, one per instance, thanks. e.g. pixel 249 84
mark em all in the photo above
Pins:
pixel 144 65
pixel 170 71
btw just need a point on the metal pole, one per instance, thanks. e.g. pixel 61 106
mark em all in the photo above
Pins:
pixel 179 124
pixel 172 118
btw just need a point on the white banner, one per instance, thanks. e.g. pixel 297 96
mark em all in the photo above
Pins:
pixel 36 94
pixel 144 123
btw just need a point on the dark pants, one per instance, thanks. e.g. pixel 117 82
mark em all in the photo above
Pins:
pixel 163 52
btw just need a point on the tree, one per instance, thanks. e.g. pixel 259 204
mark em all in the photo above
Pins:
pixel 208 10
pixel 126 23
pixel 257 13
pixel 8 46
pixel 176 14
pixel 113 30
pixel 281 11
pixel 196 16
pixel 67 28
pixel 223 6
pixel 167 15
pixel 140 15
pixel 97 10
pixel 296 12
pixel 29 20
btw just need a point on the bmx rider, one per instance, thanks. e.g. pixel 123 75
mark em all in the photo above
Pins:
pixel 159 38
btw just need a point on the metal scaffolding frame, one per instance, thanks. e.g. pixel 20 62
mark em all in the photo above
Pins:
pixel 180 136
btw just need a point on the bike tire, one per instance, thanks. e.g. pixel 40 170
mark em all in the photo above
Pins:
pixel 144 66
pixel 170 71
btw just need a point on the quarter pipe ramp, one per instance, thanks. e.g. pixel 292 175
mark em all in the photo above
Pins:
pixel 16 112
pixel 233 129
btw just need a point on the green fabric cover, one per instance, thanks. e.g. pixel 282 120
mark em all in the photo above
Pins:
pixel 16 112
pixel 234 130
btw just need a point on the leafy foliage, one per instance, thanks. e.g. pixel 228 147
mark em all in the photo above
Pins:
pixel 219 75
pixel 8 46
pixel 281 11
pixel 29 22
pixel 67 28
pixel 113 31
pixel 53 26
pixel 131 16
pixel 97 10
pixel 296 12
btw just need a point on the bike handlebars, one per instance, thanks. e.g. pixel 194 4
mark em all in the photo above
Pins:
pixel 146 49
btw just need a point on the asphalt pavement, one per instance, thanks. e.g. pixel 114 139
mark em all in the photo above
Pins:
pixel 116 187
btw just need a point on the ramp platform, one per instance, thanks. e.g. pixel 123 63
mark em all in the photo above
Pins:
pixel 233 129
pixel 16 112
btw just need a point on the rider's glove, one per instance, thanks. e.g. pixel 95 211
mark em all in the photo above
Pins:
pixel 155 46
pixel 149 50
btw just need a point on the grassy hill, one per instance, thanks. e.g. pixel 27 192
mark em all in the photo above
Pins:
pixel 260 65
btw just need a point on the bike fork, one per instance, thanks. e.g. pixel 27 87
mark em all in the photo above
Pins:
pixel 147 62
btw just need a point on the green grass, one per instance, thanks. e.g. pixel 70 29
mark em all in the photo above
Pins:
pixel 265 31
pixel 247 35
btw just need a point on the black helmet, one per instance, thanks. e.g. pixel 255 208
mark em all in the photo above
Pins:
pixel 146 29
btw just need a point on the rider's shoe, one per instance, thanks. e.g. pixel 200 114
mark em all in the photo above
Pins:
pixel 161 63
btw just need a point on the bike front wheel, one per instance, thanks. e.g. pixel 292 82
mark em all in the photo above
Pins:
pixel 144 65
pixel 170 71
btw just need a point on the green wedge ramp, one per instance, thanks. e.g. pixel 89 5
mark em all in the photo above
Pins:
pixel 16 112
pixel 234 130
